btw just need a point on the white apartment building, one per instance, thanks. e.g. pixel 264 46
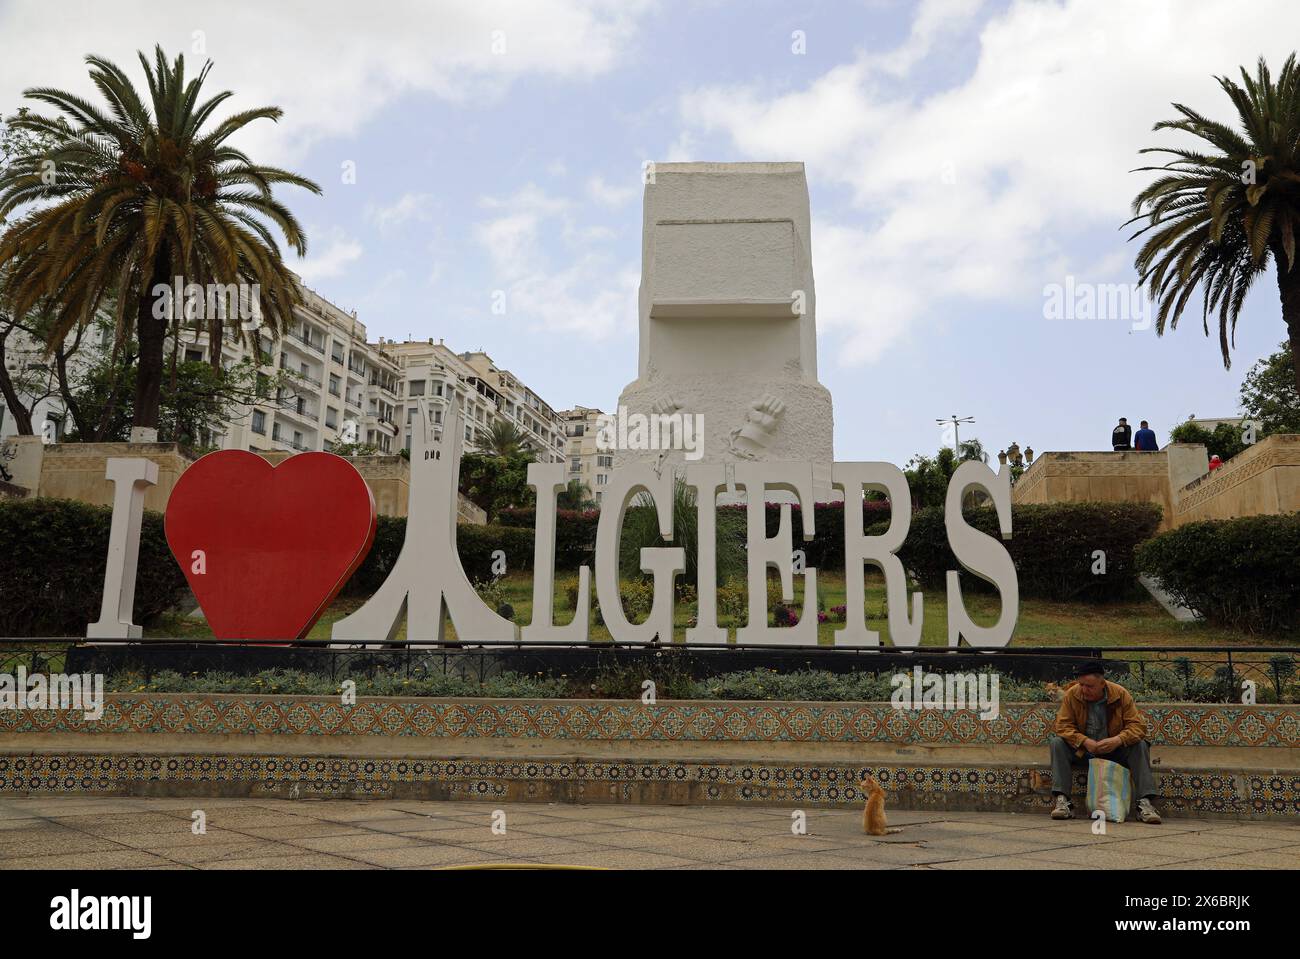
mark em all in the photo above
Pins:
pixel 587 463
pixel 485 395
pixel 344 390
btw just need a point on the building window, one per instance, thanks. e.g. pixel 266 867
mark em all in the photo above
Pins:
pixel 193 356
pixel 417 387
pixel 605 462
pixel 575 464
pixel 601 479
pixel 259 422
pixel 331 417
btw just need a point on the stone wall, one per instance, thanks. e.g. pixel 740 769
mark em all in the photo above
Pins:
pixel 76 471
pixel 1263 480
pixel 1102 477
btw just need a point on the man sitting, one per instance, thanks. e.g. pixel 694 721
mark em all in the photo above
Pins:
pixel 1099 720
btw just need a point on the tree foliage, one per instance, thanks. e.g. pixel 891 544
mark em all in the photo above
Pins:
pixel 1269 394
pixel 134 194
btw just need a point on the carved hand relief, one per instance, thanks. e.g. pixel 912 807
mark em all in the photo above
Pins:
pixel 667 405
pixel 751 437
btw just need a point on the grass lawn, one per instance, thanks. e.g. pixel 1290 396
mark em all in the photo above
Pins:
pixel 1041 623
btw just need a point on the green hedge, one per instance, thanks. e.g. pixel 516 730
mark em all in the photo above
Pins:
pixel 575 538
pixel 475 544
pixel 575 533
pixel 52 558
pixel 1052 545
pixel 1241 573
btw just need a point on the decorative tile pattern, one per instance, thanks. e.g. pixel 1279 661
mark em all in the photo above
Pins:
pixel 1191 792
pixel 1020 724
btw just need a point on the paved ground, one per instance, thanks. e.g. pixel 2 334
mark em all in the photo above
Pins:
pixel 83 833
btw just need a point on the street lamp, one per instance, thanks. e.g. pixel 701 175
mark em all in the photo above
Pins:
pixel 956 421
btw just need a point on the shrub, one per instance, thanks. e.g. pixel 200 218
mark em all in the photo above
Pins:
pixel 641 531
pixel 475 544
pixel 1052 545
pixel 575 537
pixel 52 567
pixel 733 600
pixel 390 532
pixel 826 549
pixel 1224 441
pixel 637 595
pixel 575 533
pixel 1240 573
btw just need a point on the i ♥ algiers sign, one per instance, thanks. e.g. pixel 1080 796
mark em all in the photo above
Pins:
pixel 266 549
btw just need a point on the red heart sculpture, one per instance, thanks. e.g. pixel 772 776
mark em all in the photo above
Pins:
pixel 266 548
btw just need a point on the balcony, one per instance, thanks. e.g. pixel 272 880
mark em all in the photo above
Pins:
pixel 301 412
pixel 317 347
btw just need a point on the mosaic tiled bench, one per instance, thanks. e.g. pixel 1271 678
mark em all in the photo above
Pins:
pixel 560 728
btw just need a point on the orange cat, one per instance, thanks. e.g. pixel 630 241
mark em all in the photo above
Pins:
pixel 873 816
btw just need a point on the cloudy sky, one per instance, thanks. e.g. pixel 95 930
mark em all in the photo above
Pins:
pixel 962 157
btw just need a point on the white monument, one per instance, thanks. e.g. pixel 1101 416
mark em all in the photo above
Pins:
pixel 728 335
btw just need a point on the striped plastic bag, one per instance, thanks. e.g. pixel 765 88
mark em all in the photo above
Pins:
pixel 1109 789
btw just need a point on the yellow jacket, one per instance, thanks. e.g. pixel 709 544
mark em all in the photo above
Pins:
pixel 1123 719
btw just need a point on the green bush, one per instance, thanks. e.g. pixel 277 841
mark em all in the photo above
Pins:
pixel 390 532
pixel 1240 573
pixel 475 544
pixel 299 683
pixel 575 533
pixel 52 567
pixel 1173 683
pixel 575 538
pixel 1224 441
pixel 1052 545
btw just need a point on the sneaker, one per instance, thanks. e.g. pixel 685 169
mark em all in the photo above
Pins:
pixel 1147 812
pixel 1064 809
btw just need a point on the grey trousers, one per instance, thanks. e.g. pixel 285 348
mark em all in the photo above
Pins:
pixel 1136 758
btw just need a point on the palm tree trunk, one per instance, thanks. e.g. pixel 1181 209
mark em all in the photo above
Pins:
pixel 151 334
pixel 1288 286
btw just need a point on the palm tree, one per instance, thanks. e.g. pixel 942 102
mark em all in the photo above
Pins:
pixel 575 495
pixel 129 199
pixel 1216 218
pixel 503 438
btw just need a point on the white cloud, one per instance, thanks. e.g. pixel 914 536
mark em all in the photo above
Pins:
pixel 589 295
pixel 329 258
pixel 609 195
pixel 410 206
pixel 981 191
pixel 330 64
